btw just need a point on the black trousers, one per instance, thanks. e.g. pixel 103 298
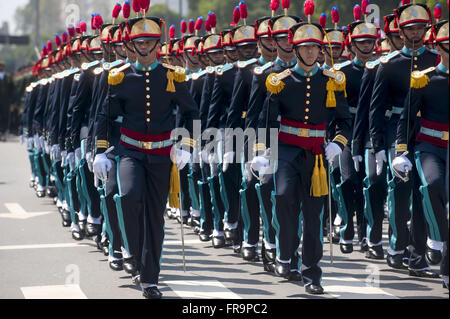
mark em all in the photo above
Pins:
pixel 431 170
pixel 265 190
pixel 144 192
pixel 230 191
pixel 293 202
pixel 91 193
pixel 352 192
pixel 250 210
pixel 402 196
pixel 375 192
pixel 204 195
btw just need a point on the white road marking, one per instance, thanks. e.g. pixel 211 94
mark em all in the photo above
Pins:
pixel 45 246
pixel 53 292
pixel 201 289
pixel 178 242
pixel 351 288
pixel 16 211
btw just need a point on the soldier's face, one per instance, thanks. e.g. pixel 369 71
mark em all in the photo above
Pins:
pixel 396 41
pixel 414 33
pixel 215 57
pixel 146 47
pixel 246 52
pixel 192 59
pixel 309 53
pixel 283 42
pixel 120 51
pixel 337 51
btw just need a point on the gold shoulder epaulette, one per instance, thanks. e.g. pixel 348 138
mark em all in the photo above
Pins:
pixel 420 79
pixel 274 81
pixel 179 73
pixel 336 82
pixel 115 76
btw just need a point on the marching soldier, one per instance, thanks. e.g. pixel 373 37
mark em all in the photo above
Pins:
pixel 150 90
pixel 429 148
pixel 375 186
pixel 363 36
pixel 278 28
pixel 300 179
pixel 390 90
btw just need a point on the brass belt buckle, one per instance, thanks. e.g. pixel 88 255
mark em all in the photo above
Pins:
pixel 303 132
pixel 444 136
pixel 146 145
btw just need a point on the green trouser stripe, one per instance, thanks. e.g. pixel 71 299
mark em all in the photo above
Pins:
pixel 84 186
pixel 427 207
pixel 202 203
pixel 262 210
pixel 391 201
pixel 102 192
pixel 46 169
pixel 367 206
pixel 194 200
pixel 31 158
pixel 244 207
pixel 321 235
pixel 342 208
pixel 215 207
pixel 300 223
pixel 70 194
pixel 118 201
pixel 223 192
pixel 275 222
pixel 38 167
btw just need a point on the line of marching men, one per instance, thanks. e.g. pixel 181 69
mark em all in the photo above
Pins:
pixel 99 122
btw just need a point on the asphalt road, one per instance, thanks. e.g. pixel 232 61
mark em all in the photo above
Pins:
pixel 39 259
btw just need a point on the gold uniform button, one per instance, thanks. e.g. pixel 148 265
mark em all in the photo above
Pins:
pixel 147 74
pixel 415 58
pixel 148 120
pixel 148 112
pixel 308 80
pixel 148 104
pixel 306 117
pixel 148 89
pixel 148 96
pixel 148 81
pixel 308 94
pixel 308 87
pixel 307 110
pixel 415 66
pixel 308 102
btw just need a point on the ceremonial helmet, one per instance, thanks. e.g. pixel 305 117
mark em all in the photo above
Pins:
pixel 242 34
pixel 360 29
pixel 306 33
pixel 409 14
pixel 280 25
pixel 333 36
pixel 441 32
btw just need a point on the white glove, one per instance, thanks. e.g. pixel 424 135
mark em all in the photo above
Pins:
pixel 182 158
pixel 22 139
pixel 402 163
pixel 29 141
pixel 227 159
pixel 37 143
pixel 42 142
pixel 260 164
pixel 356 160
pixel 380 157
pixel 331 151
pixel 71 160
pixel 78 154
pixel 63 158
pixel 248 172
pixel 101 166
pixel 55 154
pixel 89 162
pixel 47 147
